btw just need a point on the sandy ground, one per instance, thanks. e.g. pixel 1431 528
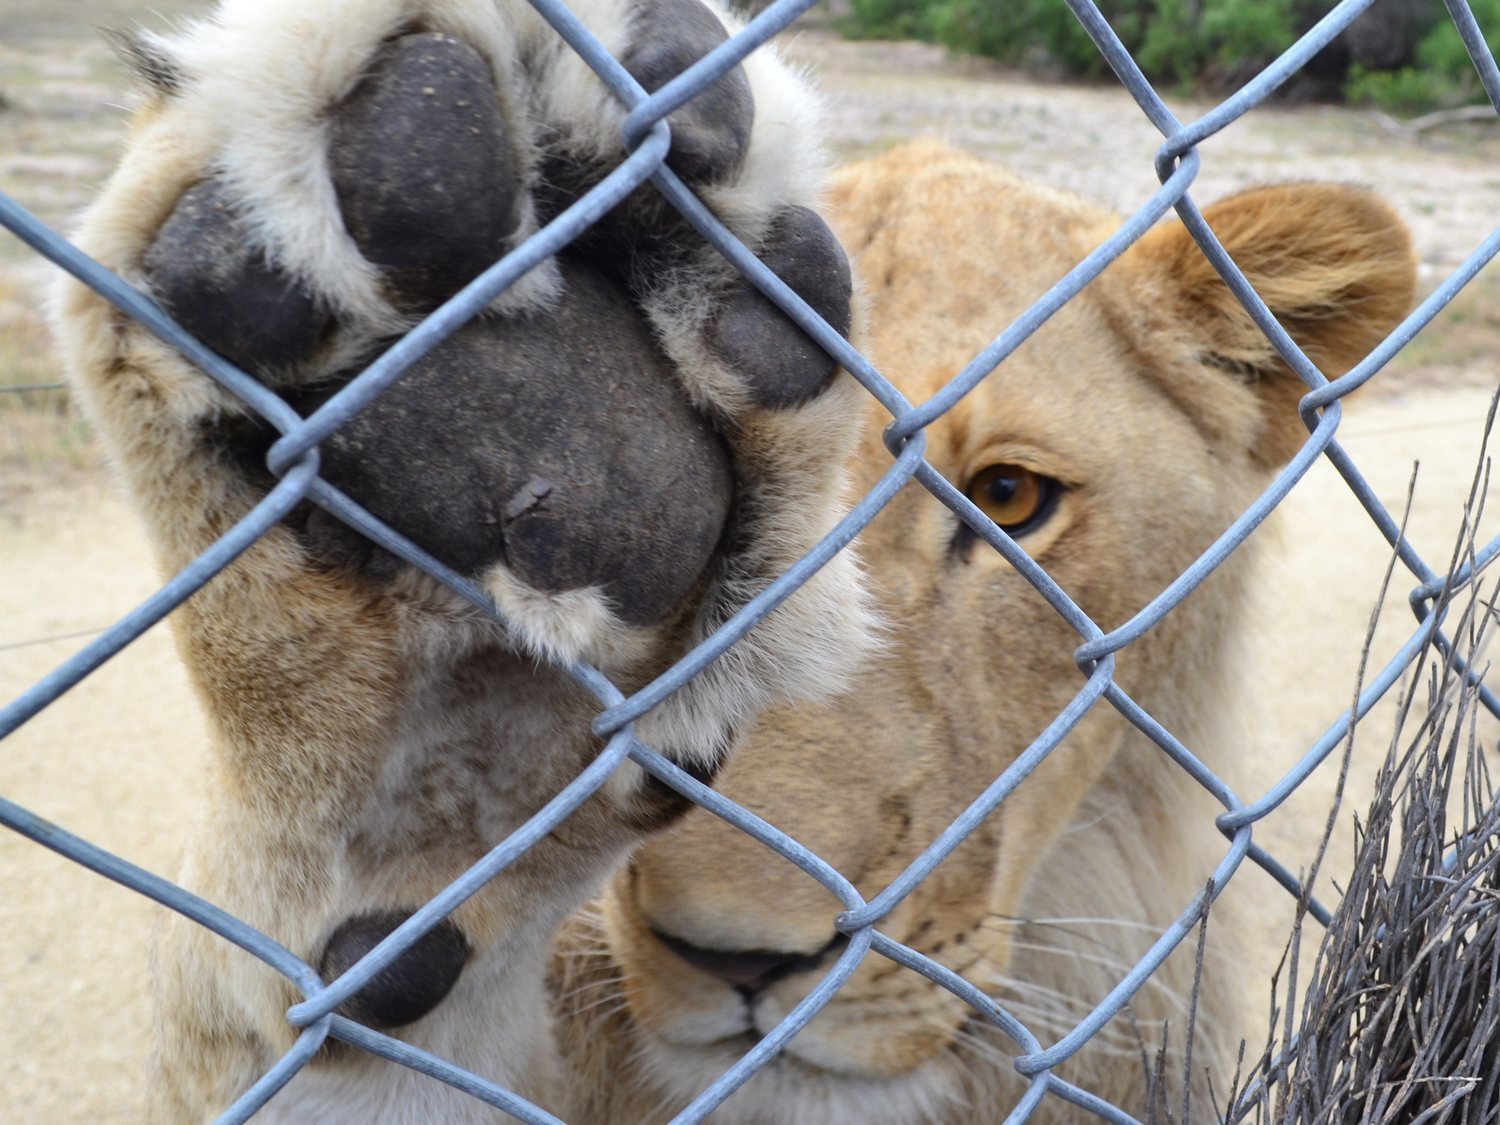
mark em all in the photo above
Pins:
pixel 115 762
pixel 119 759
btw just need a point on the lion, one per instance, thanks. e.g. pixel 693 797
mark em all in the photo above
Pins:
pixel 1114 446
pixel 621 451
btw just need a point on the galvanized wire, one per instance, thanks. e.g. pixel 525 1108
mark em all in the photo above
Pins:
pixel 647 138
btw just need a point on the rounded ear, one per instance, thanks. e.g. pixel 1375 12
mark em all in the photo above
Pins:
pixel 1333 263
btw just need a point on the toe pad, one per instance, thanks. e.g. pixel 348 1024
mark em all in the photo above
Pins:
pixel 412 985
pixel 205 270
pixel 780 362
pixel 427 180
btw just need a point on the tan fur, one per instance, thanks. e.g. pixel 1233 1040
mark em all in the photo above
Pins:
pixel 372 742
pixel 1154 399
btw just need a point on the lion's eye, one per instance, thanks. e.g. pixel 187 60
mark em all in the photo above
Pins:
pixel 1014 497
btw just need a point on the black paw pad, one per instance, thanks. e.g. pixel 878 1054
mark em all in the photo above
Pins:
pixel 779 361
pixel 204 269
pixel 412 985
pixel 711 133
pixel 426 177
pixel 558 443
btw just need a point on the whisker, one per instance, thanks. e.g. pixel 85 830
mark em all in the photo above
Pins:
pixel 612 985
pixel 1119 965
pixel 1152 928
pixel 1034 990
pixel 608 1006
pixel 1041 1003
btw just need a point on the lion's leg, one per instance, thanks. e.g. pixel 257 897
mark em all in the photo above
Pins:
pixel 627 446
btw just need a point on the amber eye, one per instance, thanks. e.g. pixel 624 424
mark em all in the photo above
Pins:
pixel 1014 497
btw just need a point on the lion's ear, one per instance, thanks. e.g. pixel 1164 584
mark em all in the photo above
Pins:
pixel 1333 263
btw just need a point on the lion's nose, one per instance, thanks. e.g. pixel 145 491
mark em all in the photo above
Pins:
pixel 750 971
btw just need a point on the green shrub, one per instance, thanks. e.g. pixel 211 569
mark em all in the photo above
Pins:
pixel 1170 39
pixel 1408 90
pixel 1441 48
pixel 1213 42
pixel 887 19
pixel 978 27
pixel 1442 77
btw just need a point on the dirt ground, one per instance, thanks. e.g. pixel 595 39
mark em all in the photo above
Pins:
pixel 119 759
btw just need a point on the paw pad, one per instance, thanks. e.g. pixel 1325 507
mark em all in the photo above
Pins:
pixel 213 279
pixel 427 180
pixel 711 133
pixel 412 985
pixel 780 362
pixel 558 444
pixel 584 438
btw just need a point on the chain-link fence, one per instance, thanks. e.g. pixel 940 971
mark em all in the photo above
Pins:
pixel 294 460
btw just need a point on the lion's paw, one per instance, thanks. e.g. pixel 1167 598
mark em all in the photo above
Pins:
pixel 631 440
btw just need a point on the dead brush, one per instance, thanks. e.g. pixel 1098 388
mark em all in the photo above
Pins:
pixel 1400 1022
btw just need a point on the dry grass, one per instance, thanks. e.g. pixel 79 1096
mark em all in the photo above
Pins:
pixel 1400 1022
pixel 41 435
pixel 60 117
pixel 1466 333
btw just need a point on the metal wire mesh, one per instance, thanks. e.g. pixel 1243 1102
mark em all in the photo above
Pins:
pixel 294 458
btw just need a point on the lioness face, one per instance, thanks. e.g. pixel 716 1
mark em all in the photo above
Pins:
pixel 1114 445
